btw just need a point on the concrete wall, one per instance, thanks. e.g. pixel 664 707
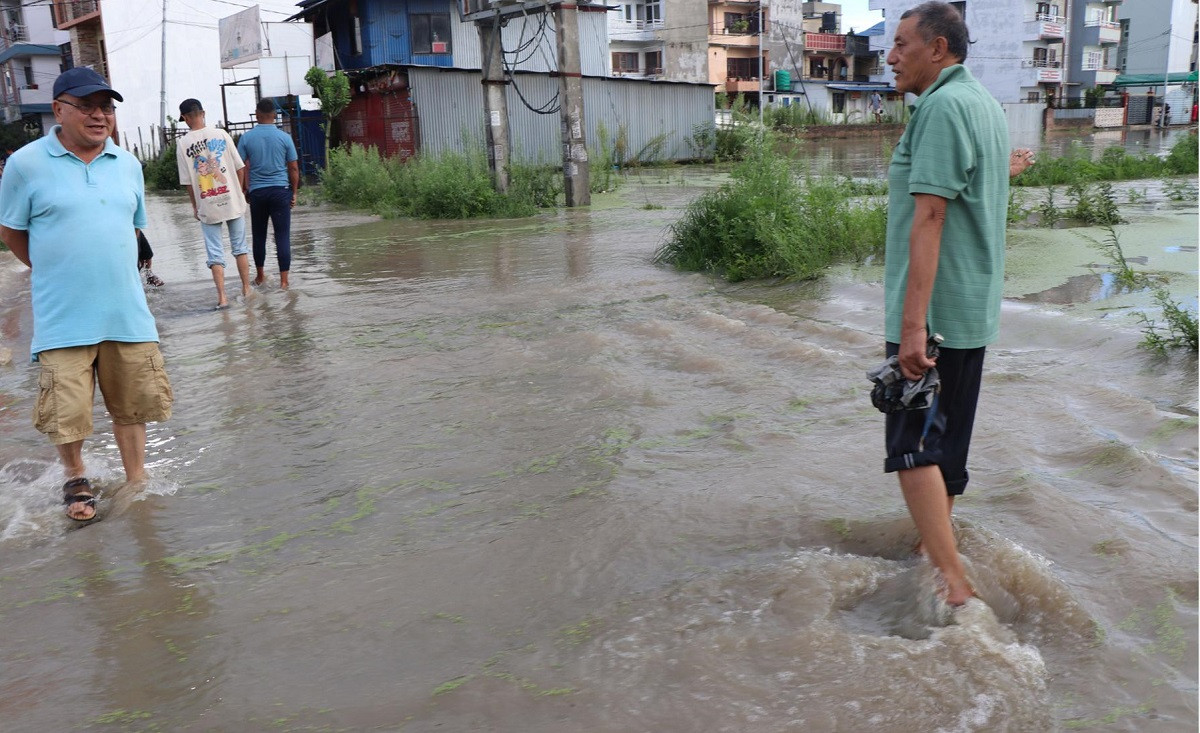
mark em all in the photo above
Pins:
pixel 1109 117
pixel 685 40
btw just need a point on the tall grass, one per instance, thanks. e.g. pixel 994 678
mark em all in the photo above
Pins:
pixel 768 222
pixel 1114 164
pixel 448 186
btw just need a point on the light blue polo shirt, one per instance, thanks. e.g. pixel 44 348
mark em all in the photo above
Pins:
pixel 267 150
pixel 82 245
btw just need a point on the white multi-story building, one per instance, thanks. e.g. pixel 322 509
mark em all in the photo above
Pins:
pixel 634 40
pixel 30 60
pixel 1019 49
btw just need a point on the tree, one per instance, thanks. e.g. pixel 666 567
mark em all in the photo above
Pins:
pixel 333 92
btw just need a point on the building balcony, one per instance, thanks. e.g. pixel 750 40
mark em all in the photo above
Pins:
pixel 620 29
pixel 1097 77
pixel 1046 27
pixel 646 73
pixel 35 95
pixel 832 42
pixel 1040 71
pixel 68 13
pixel 735 85
pixel 15 33
pixel 1100 33
pixel 721 35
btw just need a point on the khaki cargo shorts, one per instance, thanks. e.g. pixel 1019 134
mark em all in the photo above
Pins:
pixel 132 380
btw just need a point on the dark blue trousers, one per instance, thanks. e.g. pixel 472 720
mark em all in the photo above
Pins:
pixel 274 203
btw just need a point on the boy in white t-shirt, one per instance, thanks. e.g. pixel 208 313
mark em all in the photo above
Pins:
pixel 206 158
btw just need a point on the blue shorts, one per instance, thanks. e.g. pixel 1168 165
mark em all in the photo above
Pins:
pixel 940 434
pixel 212 240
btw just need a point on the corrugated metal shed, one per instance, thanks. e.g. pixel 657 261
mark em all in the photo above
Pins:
pixel 449 105
pixel 541 55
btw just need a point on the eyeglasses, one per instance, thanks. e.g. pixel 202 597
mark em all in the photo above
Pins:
pixel 87 108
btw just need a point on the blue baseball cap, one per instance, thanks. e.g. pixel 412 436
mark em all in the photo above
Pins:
pixel 82 81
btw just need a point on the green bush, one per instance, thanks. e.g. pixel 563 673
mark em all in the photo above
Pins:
pixel 361 178
pixel 450 186
pixel 1114 164
pixel 1183 156
pixel 161 173
pixel 766 223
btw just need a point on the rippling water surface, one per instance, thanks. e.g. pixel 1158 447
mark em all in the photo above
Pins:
pixel 510 476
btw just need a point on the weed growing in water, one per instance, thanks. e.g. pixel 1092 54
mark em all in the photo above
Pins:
pixel 1114 164
pixel 1178 190
pixel 1017 211
pixel 1048 211
pixel 1094 205
pixel 1180 327
pixel 767 223
pixel 450 186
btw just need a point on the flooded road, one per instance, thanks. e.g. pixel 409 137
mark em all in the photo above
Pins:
pixel 510 476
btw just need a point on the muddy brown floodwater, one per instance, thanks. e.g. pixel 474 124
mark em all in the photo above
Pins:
pixel 511 476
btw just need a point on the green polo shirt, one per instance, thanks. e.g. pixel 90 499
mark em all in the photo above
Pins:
pixel 955 146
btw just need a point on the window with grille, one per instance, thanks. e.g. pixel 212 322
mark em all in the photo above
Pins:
pixel 430 32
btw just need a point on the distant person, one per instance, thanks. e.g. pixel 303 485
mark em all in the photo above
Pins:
pixel 70 205
pixel 944 267
pixel 146 261
pixel 272 183
pixel 1165 118
pixel 206 158
pixel 876 102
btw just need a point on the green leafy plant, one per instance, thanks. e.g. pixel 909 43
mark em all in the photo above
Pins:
pixel 333 92
pixel 771 222
pixel 1178 330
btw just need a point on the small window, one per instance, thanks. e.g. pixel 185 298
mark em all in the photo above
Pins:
pixel 839 102
pixel 430 32
pixel 624 63
pixel 741 68
pixel 653 63
pixel 961 7
pixel 356 37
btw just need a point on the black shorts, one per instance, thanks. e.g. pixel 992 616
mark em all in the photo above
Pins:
pixel 940 434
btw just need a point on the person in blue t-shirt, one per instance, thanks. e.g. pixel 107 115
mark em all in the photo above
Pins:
pixel 71 203
pixel 273 176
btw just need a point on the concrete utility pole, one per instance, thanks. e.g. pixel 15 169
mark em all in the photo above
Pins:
pixel 162 98
pixel 495 103
pixel 575 157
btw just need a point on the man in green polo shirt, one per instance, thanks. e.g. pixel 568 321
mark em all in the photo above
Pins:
pixel 947 211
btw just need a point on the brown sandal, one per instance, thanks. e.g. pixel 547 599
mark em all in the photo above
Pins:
pixel 79 491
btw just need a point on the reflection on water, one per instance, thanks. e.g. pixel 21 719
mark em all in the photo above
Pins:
pixel 510 476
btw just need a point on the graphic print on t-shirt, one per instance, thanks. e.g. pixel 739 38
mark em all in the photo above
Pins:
pixel 208 164
pixel 206 159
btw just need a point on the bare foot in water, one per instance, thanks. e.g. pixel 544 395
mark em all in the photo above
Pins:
pixel 958 593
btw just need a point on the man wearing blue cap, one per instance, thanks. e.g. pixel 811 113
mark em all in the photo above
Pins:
pixel 70 207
